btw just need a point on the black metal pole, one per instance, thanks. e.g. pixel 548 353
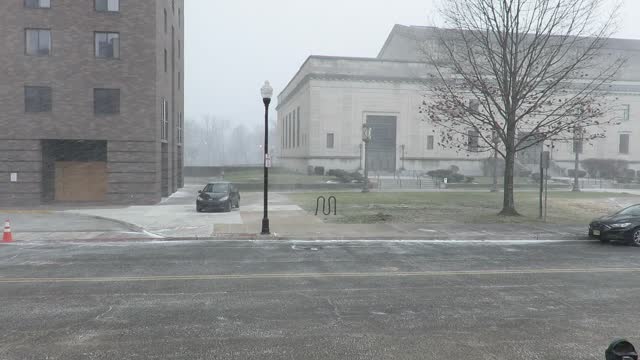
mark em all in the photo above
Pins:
pixel 541 183
pixel 265 218
pixel 365 187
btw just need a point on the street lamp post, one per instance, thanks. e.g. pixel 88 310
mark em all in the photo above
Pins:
pixel 366 138
pixel 267 93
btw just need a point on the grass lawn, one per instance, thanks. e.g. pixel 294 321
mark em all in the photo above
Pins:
pixel 465 207
pixel 276 176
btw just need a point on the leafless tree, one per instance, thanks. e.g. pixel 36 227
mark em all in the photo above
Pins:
pixel 511 74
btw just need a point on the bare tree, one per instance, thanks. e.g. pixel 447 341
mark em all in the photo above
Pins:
pixel 519 72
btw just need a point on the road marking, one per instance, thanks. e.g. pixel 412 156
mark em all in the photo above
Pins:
pixel 316 275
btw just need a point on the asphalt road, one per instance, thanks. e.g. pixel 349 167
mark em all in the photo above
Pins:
pixel 284 300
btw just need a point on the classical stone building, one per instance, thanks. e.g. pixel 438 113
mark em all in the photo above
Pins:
pixel 322 109
pixel 91 98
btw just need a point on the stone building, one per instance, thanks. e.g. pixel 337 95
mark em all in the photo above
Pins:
pixel 322 109
pixel 91 96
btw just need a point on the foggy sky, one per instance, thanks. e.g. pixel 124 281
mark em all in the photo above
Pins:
pixel 232 46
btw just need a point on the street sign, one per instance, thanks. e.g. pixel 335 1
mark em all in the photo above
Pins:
pixel 267 160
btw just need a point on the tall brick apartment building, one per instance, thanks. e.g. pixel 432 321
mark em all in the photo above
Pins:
pixel 91 100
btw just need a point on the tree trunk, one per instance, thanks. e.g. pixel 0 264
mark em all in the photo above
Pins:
pixel 576 178
pixel 508 204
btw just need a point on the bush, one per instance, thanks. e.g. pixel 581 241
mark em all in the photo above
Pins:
pixel 319 170
pixel 469 179
pixel 606 168
pixel 451 176
pixel 581 173
pixel 345 176
pixel 536 177
pixel 523 173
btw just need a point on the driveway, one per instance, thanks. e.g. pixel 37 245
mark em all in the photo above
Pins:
pixel 176 216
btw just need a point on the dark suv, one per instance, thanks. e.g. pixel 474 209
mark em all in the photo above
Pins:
pixel 218 196
pixel 623 225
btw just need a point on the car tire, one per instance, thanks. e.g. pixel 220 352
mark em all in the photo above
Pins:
pixel 238 204
pixel 227 207
pixel 635 237
pixel 198 209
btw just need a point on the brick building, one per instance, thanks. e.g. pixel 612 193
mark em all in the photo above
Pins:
pixel 91 97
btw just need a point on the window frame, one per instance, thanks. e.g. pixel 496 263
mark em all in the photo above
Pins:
pixel 626 112
pixel 95 7
pixel 40 102
pixel 164 121
pixel 36 7
pixel 95 44
pixel 473 141
pixel 26 42
pixel 332 136
pixel 95 102
pixel 430 142
pixel 628 143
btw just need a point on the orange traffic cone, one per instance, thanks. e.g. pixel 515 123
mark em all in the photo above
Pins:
pixel 6 236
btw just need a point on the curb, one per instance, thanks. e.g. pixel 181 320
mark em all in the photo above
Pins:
pixel 256 237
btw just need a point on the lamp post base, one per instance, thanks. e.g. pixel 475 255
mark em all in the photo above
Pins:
pixel 265 227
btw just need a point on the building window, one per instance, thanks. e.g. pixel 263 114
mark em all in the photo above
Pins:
pixel 173 6
pixel 179 79
pixel 165 60
pixel 626 110
pixel 298 127
pixel 37 99
pixel 293 130
pixel 330 139
pixel 107 45
pixel 473 141
pixel 106 101
pixel 624 143
pixel 164 120
pixel 37 4
pixel 180 128
pixel 38 42
pixel 108 5
pixel 179 17
pixel 179 49
pixel 430 142
pixel 166 28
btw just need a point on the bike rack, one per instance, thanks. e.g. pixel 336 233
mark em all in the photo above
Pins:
pixel 327 210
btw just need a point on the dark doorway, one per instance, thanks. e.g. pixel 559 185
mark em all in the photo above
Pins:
pixel 74 170
pixel 381 154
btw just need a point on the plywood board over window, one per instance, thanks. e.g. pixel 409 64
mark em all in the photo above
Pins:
pixel 80 181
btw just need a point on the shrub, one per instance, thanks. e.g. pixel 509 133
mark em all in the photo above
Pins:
pixel 524 173
pixel 345 176
pixel 319 170
pixel 605 168
pixel 448 174
pixel 581 173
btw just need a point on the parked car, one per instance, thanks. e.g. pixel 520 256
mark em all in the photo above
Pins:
pixel 623 225
pixel 218 196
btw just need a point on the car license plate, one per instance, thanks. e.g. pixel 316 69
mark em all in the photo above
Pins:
pixel 596 232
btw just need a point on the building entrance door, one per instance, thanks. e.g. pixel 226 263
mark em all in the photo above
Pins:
pixel 381 152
